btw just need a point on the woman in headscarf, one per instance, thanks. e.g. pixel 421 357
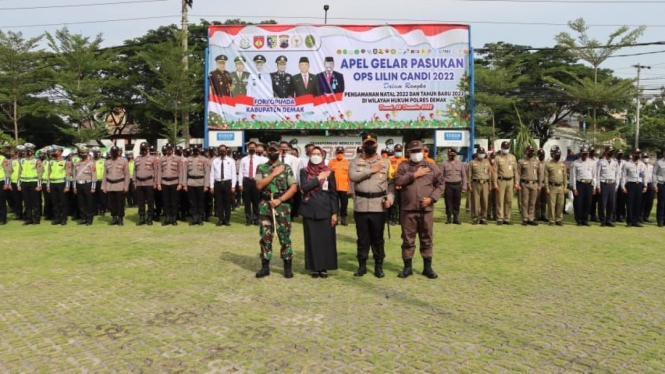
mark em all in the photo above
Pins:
pixel 319 208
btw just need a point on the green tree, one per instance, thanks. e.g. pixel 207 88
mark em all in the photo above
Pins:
pixel 178 87
pixel 594 52
pixel 81 71
pixel 494 89
pixel 22 78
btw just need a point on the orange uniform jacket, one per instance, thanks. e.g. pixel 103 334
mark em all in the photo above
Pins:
pixel 394 162
pixel 341 170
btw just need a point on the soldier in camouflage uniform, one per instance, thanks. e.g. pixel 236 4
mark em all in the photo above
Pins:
pixel 277 184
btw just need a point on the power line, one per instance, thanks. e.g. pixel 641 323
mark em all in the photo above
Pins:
pixel 570 1
pixel 83 5
pixel 88 22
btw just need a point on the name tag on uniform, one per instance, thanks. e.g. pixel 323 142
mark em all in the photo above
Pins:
pixel 558 172
pixel 325 185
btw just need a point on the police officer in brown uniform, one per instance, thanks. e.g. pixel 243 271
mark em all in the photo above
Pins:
pixel 196 181
pixel 422 185
pixel 530 183
pixel 84 181
pixel 542 199
pixel 505 182
pixel 115 185
pixel 169 182
pixel 372 177
pixel 146 177
pixel 555 180
pixel 455 178
pixel 480 174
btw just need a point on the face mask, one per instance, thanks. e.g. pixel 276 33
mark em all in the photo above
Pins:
pixel 252 151
pixel 417 157
pixel 481 156
pixel 557 157
pixel 529 154
pixel 369 149
pixel 505 151
pixel 316 160
pixel 645 160
pixel 274 156
pixel 222 153
pixel 340 157
pixel 541 157
pixel 636 158
pixel 584 156
pixel 398 154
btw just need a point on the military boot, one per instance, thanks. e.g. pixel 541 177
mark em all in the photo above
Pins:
pixel 448 219
pixel 378 268
pixel 362 268
pixel 63 221
pixel 408 270
pixel 456 220
pixel 141 220
pixel 195 220
pixel 174 220
pixel 121 221
pixel 265 269
pixel 54 222
pixel 114 221
pixel 167 220
pixel 148 220
pixel 344 221
pixel 288 271
pixel 427 269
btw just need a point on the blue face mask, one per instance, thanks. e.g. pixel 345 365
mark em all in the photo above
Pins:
pixel 398 154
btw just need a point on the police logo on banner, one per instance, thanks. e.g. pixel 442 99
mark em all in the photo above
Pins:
pixel 259 41
pixel 284 41
pixel 272 41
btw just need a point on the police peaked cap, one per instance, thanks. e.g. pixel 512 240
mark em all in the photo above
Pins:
pixel 239 59
pixel 221 58
pixel 259 58
pixel 281 59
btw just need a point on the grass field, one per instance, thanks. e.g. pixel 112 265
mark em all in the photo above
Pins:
pixel 184 299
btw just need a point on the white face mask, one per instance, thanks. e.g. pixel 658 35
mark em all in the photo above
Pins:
pixel 417 157
pixel 316 160
pixel 505 151
pixel 481 156
pixel 645 160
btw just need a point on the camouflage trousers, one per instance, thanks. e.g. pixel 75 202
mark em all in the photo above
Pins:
pixel 266 230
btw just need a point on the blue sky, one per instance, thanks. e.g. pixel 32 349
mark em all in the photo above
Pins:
pixel 526 22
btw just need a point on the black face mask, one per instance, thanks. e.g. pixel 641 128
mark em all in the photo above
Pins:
pixel 452 157
pixel 557 157
pixel 196 152
pixel 529 154
pixel 222 153
pixel 274 156
pixel 252 151
pixel 636 158
pixel 541 157
pixel 584 156
pixel 369 149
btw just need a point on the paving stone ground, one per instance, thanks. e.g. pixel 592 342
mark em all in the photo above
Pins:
pixel 185 300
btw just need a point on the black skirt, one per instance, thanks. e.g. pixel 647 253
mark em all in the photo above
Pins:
pixel 320 245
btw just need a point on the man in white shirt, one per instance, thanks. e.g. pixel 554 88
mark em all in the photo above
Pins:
pixel 222 185
pixel 260 84
pixel 248 166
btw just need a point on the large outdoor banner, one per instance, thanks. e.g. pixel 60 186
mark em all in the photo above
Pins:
pixel 338 77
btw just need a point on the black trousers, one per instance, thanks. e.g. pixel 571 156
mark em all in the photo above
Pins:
pixel 453 197
pixel 660 208
pixel 647 203
pixel 31 197
pixel 238 200
pixel 101 200
pixel 395 209
pixel 17 198
pixel 295 204
pixel 159 202
pixel 251 200
pixel 3 202
pixel 582 202
pixel 48 204
pixel 633 202
pixel 73 203
pixel 223 200
pixel 607 202
pixel 145 195
pixel 196 199
pixel 130 196
pixel 116 203
pixel 209 201
pixel 170 196
pixel 369 228
pixel 620 208
pixel 343 203
pixel 182 202
pixel 595 202
pixel 86 201
pixel 59 202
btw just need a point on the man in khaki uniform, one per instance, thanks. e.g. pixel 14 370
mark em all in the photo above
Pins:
pixel 530 179
pixel 196 180
pixel 374 193
pixel 555 181
pixel 505 182
pixel 146 177
pixel 115 185
pixel 169 183
pixel 422 185
pixel 542 199
pixel 454 176
pixel 480 174
pixel 84 180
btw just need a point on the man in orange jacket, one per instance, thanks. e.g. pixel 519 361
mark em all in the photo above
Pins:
pixel 340 167
pixel 398 158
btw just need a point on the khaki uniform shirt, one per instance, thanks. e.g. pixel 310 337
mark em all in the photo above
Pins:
pixel 171 170
pixel 453 171
pixel 116 175
pixel 146 171
pixel 506 168
pixel 197 172
pixel 529 170
pixel 480 170
pixel 415 189
pixel 555 172
pixel 367 183
pixel 84 172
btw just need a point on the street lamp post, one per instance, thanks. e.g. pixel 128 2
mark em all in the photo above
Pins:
pixel 637 114
pixel 325 9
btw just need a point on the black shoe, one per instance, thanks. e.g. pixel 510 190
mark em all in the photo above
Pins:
pixel 525 223
pixel 141 221
pixel 660 224
pixel 54 222
pixel 507 223
pixel 167 221
pixel 362 268
pixel 121 221
pixel 482 222
pixel 378 269
pixel 316 274
pixel 407 271
pixel 26 223
pixel 609 224
pixel 227 223
pixel 559 223
pixel 457 221
pixel 63 222
pixel 449 220
pixel 248 223
pixel 114 221
pixel 427 269
pixel 637 225
pixel 82 222
pixel 265 269
pixel 533 223
pixel 288 271
pixel 323 274
pixel 219 223
pixel 174 221
pixel 585 223
pixel 195 220
pixel 344 223
pixel 594 219
pixel 88 222
pixel 499 223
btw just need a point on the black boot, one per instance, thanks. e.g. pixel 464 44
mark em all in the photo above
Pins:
pixel 200 221
pixel 407 269
pixel 148 220
pixel 265 269
pixel 63 221
pixel 448 219
pixel 141 220
pixel 378 269
pixel 120 221
pixel 167 221
pixel 344 221
pixel 288 271
pixel 174 220
pixel 362 268
pixel 456 220
pixel 195 220
pixel 427 269
pixel 53 222
pixel 114 221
